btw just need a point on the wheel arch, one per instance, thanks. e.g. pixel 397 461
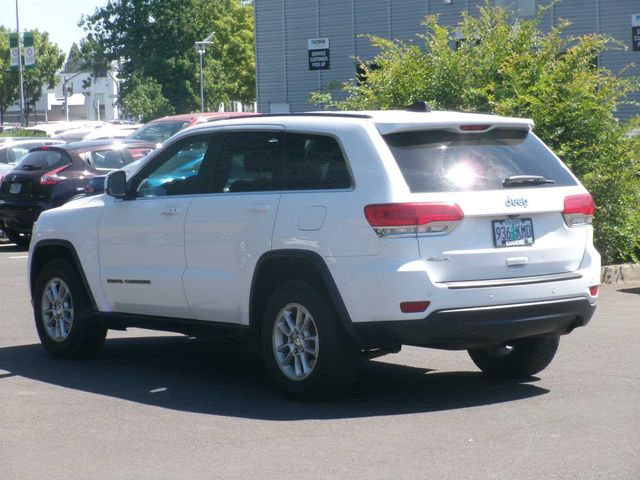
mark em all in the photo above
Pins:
pixel 277 266
pixel 46 250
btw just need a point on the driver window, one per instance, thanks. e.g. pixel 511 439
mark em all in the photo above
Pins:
pixel 182 172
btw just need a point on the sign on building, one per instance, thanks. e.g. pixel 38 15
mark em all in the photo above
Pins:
pixel 319 54
pixel 14 51
pixel 635 32
pixel 29 50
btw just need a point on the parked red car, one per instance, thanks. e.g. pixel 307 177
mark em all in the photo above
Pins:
pixel 160 129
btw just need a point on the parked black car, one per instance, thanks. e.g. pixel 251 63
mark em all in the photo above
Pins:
pixel 48 176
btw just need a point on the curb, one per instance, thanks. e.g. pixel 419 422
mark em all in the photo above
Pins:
pixel 616 274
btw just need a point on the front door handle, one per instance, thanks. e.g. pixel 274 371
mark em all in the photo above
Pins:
pixel 170 212
pixel 259 208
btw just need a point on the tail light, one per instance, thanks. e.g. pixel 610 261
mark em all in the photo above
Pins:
pixel 579 210
pixel 413 218
pixel 52 178
pixel 593 291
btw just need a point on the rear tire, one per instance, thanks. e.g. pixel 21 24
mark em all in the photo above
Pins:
pixel 64 316
pixel 517 359
pixel 305 349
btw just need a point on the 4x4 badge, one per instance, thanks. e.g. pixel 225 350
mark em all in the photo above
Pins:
pixel 516 202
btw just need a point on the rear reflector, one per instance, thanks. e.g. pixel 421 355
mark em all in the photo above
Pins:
pixel 579 210
pixel 414 307
pixel 593 291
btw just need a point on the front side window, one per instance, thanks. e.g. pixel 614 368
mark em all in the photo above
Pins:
pixel 249 162
pixel 180 171
pixel 314 162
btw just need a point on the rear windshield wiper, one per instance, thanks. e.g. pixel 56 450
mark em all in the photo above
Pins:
pixel 525 180
pixel 30 167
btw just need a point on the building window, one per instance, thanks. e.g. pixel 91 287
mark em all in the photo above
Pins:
pixel 523 8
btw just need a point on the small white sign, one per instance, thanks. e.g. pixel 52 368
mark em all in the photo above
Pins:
pixel 29 56
pixel 635 20
pixel 317 43
pixel 14 56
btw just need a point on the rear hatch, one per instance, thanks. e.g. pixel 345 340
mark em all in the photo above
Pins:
pixel 34 175
pixel 505 203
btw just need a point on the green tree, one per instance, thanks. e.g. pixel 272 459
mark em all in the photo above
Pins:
pixel 513 68
pixel 144 100
pixel 49 60
pixel 9 93
pixel 74 62
pixel 154 39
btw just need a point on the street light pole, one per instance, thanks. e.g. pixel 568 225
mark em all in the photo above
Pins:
pixel 201 48
pixel 20 69
pixel 201 52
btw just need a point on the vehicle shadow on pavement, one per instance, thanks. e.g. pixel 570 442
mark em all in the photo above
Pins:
pixel 192 375
pixel 635 290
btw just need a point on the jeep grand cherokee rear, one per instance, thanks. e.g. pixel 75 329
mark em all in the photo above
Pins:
pixel 326 237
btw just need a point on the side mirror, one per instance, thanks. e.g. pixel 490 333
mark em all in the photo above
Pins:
pixel 116 184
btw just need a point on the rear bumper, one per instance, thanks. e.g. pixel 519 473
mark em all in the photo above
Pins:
pixel 19 218
pixel 479 327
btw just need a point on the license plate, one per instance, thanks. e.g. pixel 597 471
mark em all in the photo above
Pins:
pixel 513 232
pixel 15 188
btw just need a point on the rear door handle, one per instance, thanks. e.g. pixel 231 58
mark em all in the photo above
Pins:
pixel 170 212
pixel 259 208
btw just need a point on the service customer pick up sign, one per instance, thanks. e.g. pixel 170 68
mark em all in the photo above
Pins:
pixel 635 32
pixel 319 55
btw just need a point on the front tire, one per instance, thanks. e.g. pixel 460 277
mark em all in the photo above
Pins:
pixel 517 359
pixel 305 350
pixel 64 316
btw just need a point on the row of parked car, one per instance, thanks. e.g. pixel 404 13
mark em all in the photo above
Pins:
pixel 39 173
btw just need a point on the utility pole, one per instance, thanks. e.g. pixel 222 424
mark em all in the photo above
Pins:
pixel 200 48
pixel 20 69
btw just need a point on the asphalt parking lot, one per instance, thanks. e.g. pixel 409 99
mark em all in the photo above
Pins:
pixel 157 406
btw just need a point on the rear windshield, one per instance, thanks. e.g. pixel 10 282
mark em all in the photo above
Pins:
pixel 444 161
pixel 157 132
pixel 43 159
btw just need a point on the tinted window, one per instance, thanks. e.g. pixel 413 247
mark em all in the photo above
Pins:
pixel 314 162
pixel 105 159
pixel 443 161
pixel 157 132
pixel 249 162
pixel 43 159
pixel 180 171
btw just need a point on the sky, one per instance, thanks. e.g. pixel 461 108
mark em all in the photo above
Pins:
pixel 58 17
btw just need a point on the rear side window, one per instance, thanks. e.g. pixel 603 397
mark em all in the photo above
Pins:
pixel 104 159
pixel 314 162
pixel 157 132
pixel 43 159
pixel 444 161
pixel 249 162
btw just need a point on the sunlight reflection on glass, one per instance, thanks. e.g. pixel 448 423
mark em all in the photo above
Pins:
pixel 462 175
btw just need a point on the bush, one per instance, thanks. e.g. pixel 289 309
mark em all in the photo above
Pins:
pixel 19 132
pixel 513 68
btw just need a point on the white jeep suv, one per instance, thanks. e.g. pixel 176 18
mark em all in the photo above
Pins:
pixel 327 237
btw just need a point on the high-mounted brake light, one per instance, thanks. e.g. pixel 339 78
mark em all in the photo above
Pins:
pixel 579 210
pixel 52 178
pixel 413 218
pixel 474 128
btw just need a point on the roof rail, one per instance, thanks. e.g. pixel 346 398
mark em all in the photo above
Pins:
pixel 298 114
